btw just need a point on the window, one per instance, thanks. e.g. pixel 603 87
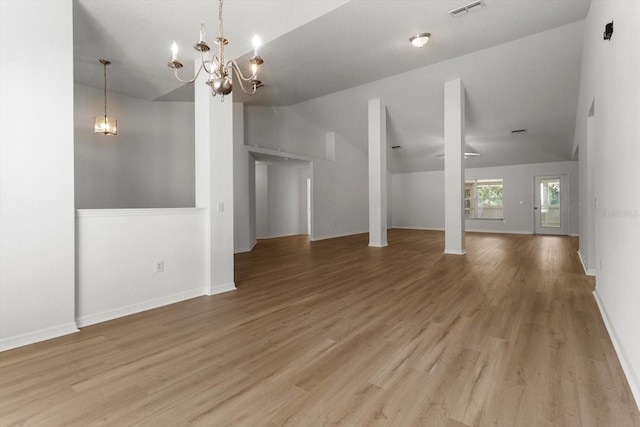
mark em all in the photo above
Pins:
pixel 483 199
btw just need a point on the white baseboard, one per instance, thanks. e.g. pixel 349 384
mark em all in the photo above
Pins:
pixel 381 245
pixel 584 265
pixel 37 336
pixel 454 252
pixel 500 231
pixel 333 236
pixel 469 230
pixel 116 313
pixel 218 289
pixel 634 384
pixel 275 236
pixel 246 249
pixel 402 227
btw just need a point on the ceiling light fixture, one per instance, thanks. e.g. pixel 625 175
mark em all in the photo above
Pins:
pixel 220 73
pixel 420 40
pixel 104 124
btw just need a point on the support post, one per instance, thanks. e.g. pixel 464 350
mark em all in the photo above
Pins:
pixel 454 128
pixel 214 183
pixel 377 173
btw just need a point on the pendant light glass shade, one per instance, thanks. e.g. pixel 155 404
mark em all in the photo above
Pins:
pixel 104 124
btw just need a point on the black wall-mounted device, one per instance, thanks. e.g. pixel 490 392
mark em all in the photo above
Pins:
pixel 608 31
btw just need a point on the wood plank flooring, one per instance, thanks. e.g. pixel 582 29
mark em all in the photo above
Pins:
pixel 337 333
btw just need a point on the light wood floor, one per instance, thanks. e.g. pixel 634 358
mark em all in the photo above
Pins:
pixel 337 333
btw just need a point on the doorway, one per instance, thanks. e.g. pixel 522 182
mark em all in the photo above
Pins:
pixel 551 205
pixel 309 206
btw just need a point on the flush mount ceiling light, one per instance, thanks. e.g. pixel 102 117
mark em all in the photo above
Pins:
pixel 104 124
pixel 220 72
pixel 420 40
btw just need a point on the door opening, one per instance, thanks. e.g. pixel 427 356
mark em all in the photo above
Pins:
pixel 309 206
pixel 551 211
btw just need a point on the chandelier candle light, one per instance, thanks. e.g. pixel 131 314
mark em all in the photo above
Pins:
pixel 104 124
pixel 220 73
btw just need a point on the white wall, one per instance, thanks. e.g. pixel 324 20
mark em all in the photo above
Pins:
pixel 341 193
pixel 586 205
pixel 418 197
pixel 518 187
pixel 243 186
pixel 609 77
pixel 117 254
pixel 37 286
pixel 340 186
pixel 282 129
pixel 150 162
pixel 303 175
pixel 418 200
pixel 280 204
pixel 284 201
pixel 262 201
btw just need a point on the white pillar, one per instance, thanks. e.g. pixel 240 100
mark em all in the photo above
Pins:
pixel 454 123
pixel 377 173
pixel 214 182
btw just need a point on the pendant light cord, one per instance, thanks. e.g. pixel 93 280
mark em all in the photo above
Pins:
pixel 105 92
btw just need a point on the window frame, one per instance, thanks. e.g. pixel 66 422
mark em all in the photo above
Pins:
pixel 472 199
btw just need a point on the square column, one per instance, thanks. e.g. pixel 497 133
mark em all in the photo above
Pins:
pixel 454 127
pixel 214 182
pixel 377 173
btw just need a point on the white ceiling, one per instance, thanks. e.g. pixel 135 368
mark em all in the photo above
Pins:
pixel 136 35
pixel 518 59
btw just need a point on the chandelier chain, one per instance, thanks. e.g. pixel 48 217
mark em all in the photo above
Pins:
pixel 221 32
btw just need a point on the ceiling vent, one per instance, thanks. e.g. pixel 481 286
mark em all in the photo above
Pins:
pixel 518 131
pixel 396 146
pixel 467 8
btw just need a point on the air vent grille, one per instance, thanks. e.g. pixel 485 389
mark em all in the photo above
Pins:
pixel 518 131
pixel 467 8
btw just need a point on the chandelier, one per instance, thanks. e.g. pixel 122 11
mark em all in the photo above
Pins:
pixel 220 72
pixel 104 124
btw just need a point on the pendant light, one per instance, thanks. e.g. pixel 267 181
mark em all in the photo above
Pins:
pixel 104 124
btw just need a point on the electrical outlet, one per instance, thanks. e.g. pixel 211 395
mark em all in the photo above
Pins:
pixel 159 266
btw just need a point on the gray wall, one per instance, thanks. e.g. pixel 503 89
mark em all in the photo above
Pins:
pixel 280 200
pixel 418 198
pixel 148 164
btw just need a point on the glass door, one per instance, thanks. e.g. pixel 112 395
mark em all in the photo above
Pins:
pixel 550 210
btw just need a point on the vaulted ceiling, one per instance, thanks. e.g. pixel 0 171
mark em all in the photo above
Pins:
pixel 518 60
